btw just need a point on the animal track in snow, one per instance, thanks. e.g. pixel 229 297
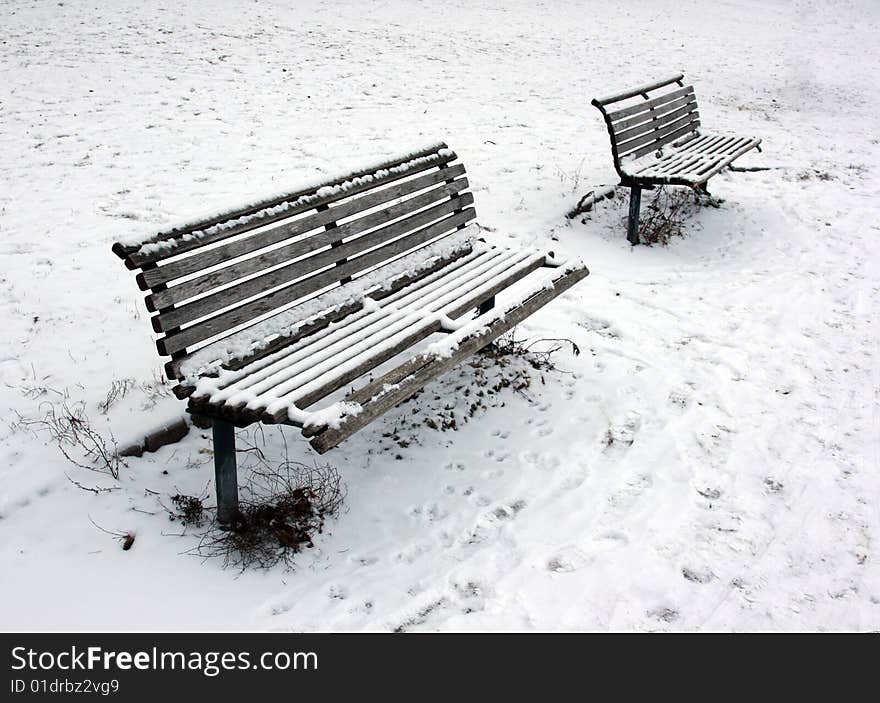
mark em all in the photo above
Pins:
pixel 337 592
pixel 568 559
pixel 680 396
pixel 625 432
pixel 664 614
pixel 697 575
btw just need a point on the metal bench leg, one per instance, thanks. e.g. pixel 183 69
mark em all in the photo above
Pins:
pixel 225 471
pixel 632 226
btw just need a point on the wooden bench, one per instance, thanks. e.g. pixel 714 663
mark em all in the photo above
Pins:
pixel 656 140
pixel 315 308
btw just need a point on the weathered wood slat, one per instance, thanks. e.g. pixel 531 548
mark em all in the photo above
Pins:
pixel 290 378
pixel 424 369
pixel 638 90
pixel 177 244
pixel 725 145
pixel 648 104
pixel 693 166
pixel 371 329
pixel 203 260
pixel 204 306
pixel 363 394
pixel 664 139
pixel 277 369
pixel 470 300
pixel 747 145
pixel 290 252
pixel 380 356
pixel 225 321
pixel 648 115
pixel 660 121
pixel 659 136
pixel 288 375
pixel 122 250
pixel 172 368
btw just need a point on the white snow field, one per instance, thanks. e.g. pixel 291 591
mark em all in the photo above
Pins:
pixel 710 461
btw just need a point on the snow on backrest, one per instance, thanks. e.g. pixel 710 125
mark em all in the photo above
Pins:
pixel 214 275
pixel 643 119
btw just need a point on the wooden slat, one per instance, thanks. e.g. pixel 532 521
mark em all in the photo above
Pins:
pixel 380 356
pixel 202 260
pixel 470 299
pixel 367 391
pixel 221 323
pixel 638 90
pixel 290 374
pixel 679 166
pixel 725 146
pixel 274 257
pixel 135 259
pixel 202 307
pixel 122 250
pixel 657 122
pixel 172 368
pixel 276 373
pixel 424 369
pixel 647 116
pixel 658 135
pixel 647 104
pixel 664 138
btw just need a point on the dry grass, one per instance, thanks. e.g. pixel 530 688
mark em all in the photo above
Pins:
pixel 283 506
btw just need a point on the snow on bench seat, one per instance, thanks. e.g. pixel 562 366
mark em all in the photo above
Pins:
pixel 690 162
pixel 280 387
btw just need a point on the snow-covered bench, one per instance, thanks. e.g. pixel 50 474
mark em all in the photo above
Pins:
pixel 271 311
pixel 655 140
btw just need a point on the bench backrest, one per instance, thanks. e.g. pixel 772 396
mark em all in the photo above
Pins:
pixel 212 277
pixel 643 119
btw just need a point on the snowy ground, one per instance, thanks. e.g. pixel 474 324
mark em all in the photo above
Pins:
pixel 710 461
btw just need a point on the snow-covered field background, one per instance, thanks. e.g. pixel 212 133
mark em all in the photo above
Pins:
pixel 710 461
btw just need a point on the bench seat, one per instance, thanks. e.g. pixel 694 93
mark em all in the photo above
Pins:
pixel 288 386
pixel 690 162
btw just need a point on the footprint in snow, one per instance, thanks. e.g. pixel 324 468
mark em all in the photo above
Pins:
pixel 697 575
pixel 506 512
pixel 568 559
pixel 548 462
pixel 710 493
pixel 664 614
pixel 624 434
pixel 680 396
pixel 530 457
pixel 612 539
pixel 410 554
pixel 337 593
